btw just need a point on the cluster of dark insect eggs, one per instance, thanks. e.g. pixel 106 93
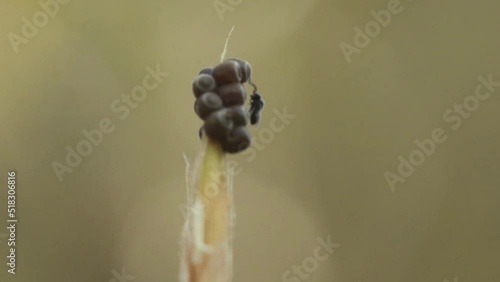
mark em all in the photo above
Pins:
pixel 220 103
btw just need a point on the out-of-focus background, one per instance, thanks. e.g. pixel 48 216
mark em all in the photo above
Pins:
pixel 329 142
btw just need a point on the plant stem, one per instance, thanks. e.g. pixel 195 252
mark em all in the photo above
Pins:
pixel 213 191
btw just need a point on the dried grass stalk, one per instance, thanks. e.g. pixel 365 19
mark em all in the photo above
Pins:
pixel 207 234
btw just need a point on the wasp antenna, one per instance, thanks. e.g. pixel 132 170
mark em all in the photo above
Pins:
pixel 253 85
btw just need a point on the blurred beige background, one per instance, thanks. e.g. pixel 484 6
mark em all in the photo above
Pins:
pixel 323 175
